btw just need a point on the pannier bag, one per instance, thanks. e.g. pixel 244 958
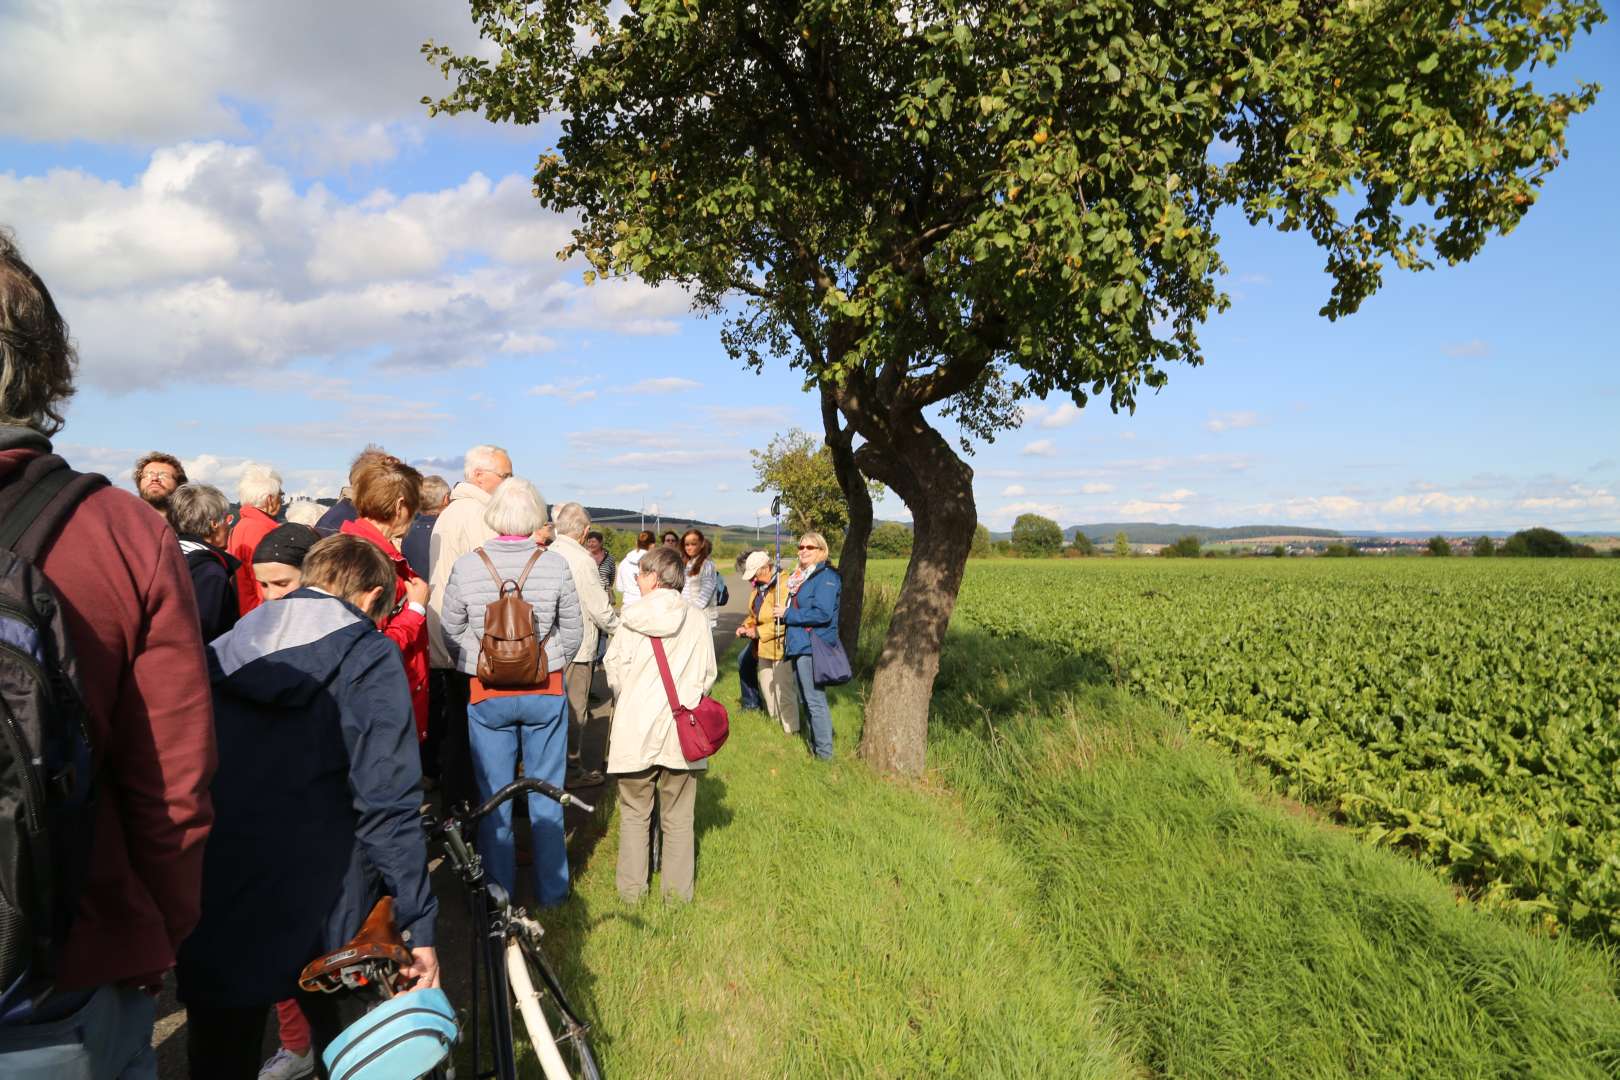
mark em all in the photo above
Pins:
pixel 47 793
pixel 406 1036
pixel 510 656
pixel 702 730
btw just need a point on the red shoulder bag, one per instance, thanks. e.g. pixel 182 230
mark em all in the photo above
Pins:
pixel 702 730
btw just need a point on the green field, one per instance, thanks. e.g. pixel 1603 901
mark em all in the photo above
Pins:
pixel 1466 710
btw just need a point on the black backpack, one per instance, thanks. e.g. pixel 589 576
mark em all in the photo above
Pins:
pixel 47 790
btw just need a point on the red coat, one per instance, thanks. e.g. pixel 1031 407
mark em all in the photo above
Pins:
pixel 405 627
pixel 251 527
pixel 129 610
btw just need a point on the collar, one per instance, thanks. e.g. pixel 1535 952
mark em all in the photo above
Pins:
pixel 367 531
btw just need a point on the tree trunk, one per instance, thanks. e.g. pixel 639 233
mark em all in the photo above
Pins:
pixel 937 485
pixel 852 561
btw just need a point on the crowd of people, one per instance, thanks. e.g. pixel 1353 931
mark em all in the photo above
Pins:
pixel 269 696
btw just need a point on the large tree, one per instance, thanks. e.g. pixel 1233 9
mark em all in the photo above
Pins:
pixel 937 209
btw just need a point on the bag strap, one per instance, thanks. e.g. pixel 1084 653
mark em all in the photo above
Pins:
pixel 500 582
pixel 663 670
pixel 34 506
pixel 524 577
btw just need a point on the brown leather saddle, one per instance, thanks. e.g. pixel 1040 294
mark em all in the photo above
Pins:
pixel 372 958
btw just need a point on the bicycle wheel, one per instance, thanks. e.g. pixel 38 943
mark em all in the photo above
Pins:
pixel 559 1037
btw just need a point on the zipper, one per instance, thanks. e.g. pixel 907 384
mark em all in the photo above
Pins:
pixel 33 790
pixel 396 1040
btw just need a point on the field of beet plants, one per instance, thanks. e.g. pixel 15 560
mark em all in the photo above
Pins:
pixel 1467 711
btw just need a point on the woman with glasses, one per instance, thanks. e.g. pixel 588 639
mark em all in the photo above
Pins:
pixel 812 608
pixel 702 579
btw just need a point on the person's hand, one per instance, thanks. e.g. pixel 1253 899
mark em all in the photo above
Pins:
pixel 424 968
pixel 747 632
pixel 416 591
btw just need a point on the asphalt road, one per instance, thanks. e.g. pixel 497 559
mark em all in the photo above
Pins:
pixel 168 1037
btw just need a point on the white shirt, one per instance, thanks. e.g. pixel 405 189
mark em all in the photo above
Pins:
pixel 629 566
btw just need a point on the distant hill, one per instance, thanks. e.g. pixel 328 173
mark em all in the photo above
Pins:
pixel 1147 532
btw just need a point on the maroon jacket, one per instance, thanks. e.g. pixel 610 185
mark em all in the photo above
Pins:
pixel 130 613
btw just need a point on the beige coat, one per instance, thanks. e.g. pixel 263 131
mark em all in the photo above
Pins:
pixel 643 725
pixel 594 603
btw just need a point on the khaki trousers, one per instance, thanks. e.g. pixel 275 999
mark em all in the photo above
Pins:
pixel 577 685
pixel 781 693
pixel 677 801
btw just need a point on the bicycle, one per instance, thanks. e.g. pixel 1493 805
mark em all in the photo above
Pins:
pixel 508 949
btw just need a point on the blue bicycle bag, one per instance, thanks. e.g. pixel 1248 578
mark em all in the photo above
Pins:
pixel 404 1037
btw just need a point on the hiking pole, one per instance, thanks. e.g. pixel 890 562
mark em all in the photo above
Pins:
pixel 776 516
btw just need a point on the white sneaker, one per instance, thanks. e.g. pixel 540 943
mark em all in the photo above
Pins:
pixel 286 1065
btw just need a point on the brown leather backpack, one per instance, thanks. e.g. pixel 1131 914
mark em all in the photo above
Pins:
pixel 510 656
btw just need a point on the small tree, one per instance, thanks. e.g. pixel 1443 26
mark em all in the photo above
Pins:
pixel 1439 545
pixel 1279 551
pixel 981 542
pixel 800 467
pixel 1185 548
pixel 1083 544
pixel 890 540
pixel 1036 537
pixel 1484 547
pixel 1122 544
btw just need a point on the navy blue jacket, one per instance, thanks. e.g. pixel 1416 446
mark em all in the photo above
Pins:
pixel 315 800
pixel 337 515
pixel 814 610
pixel 213 579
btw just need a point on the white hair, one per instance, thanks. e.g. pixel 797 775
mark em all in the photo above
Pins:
pixel 259 484
pixel 305 512
pixel 572 520
pixel 481 457
pixel 515 509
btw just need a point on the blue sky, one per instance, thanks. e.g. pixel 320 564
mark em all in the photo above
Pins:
pixel 268 252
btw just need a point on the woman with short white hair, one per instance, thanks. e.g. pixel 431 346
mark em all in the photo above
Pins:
pixel 644 750
pixel 259 490
pixel 504 722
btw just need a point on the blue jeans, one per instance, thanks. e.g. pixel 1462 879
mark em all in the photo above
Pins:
pixel 109 1038
pixel 813 699
pixel 497 728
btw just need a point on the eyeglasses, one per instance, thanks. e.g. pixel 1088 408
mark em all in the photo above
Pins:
pixel 809 547
pixel 150 475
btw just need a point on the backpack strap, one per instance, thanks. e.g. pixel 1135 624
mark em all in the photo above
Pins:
pixel 34 505
pixel 500 582
pixel 524 577
pixel 663 670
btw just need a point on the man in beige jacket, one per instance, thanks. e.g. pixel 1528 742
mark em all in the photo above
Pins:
pixel 573 522
pixel 459 530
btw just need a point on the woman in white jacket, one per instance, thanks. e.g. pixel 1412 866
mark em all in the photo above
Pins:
pixel 644 750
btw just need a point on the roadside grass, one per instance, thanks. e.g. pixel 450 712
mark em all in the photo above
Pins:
pixel 1229 936
pixel 842 926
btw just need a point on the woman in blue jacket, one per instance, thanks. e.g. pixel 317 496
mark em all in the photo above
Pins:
pixel 813 590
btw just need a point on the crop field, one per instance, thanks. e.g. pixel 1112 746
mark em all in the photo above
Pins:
pixel 1467 711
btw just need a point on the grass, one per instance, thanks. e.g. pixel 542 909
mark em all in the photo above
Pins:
pixel 842 926
pixel 1078 889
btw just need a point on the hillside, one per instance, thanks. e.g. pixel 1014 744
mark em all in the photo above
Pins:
pixel 1146 532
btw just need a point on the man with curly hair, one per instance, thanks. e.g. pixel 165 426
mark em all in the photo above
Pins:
pixel 156 475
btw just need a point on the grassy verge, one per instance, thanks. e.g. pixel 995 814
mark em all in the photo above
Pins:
pixel 1229 934
pixel 842 926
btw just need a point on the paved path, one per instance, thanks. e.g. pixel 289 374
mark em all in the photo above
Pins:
pixel 169 1035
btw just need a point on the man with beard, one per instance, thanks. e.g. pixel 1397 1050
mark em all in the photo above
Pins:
pixel 156 476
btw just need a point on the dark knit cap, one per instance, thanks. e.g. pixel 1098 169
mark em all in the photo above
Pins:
pixel 287 544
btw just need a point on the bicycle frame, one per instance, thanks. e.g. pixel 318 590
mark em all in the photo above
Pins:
pixel 495 923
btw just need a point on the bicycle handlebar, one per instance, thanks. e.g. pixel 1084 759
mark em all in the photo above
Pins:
pixel 527 783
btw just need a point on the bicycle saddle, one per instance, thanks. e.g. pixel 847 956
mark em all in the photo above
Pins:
pixel 375 954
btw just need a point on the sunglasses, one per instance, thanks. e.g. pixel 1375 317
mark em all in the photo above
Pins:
pixel 809 547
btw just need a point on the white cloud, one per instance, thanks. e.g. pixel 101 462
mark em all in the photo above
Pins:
pixel 722 487
pixel 571 391
pixel 667 385
pixel 1096 489
pixel 1473 348
pixel 229 269
pixel 1040 448
pixel 1231 421
pixel 630 489
pixel 1002 517
pixel 1012 490
pixel 1433 503
pixel 770 416
pixel 1062 416
pixel 1149 507
pixel 1572 497
pixel 142 74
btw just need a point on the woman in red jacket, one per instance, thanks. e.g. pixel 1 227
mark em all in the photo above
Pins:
pixel 387 494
